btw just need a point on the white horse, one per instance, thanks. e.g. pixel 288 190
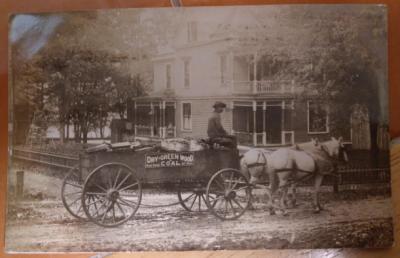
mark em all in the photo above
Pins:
pixel 285 165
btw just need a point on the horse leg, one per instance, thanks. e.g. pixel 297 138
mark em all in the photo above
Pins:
pixel 273 182
pixel 292 196
pixel 245 172
pixel 251 206
pixel 283 180
pixel 317 186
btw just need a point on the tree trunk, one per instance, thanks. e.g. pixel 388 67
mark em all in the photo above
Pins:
pixel 84 134
pixel 101 131
pixel 360 127
pixel 62 131
pixel 77 133
pixel 84 131
pixel 67 137
pixel 61 102
pixel 383 137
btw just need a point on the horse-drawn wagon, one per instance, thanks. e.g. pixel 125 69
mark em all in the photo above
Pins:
pixel 106 186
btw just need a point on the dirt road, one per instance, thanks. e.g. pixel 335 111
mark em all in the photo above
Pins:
pixel 40 223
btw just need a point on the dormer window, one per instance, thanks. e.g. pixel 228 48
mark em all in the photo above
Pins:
pixel 192 31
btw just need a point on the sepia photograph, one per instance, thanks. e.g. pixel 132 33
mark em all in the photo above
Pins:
pixel 199 128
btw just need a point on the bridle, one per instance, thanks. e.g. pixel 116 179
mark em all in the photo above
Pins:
pixel 333 159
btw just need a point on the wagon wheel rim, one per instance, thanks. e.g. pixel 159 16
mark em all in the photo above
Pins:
pixel 228 194
pixel 111 195
pixel 71 193
pixel 193 200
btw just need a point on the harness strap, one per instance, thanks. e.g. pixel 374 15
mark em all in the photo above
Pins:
pixel 258 163
pixel 255 165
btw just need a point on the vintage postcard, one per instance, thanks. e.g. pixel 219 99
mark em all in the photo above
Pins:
pixel 202 128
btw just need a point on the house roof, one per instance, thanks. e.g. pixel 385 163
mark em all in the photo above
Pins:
pixel 214 24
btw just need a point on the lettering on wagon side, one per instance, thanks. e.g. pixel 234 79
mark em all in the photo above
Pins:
pixel 169 160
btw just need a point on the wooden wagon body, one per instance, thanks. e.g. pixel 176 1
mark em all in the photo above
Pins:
pixel 106 186
pixel 157 166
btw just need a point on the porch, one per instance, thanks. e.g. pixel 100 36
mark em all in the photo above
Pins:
pixel 263 87
pixel 263 123
pixel 253 73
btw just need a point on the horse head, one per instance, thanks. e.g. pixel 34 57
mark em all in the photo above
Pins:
pixel 335 149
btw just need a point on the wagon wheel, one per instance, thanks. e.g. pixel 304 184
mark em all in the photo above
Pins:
pixel 193 199
pixel 115 193
pixel 228 194
pixel 71 193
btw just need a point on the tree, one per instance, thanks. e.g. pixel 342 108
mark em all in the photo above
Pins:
pixel 336 54
pixel 82 88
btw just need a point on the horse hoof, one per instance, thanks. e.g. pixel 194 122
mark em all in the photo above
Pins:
pixel 285 213
pixel 317 210
pixel 271 212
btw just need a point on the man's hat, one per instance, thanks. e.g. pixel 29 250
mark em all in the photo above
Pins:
pixel 219 104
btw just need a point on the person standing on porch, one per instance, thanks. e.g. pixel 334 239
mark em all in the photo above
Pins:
pixel 216 131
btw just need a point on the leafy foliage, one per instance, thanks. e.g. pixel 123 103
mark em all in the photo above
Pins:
pixel 90 66
pixel 336 54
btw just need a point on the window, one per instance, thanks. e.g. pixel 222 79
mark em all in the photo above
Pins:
pixel 243 119
pixel 186 64
pixel 186 116
pixel 192 31
pixel 317 115
pixel 168 76
pixel 223 68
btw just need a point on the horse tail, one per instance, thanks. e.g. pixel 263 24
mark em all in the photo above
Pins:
pixel 244 168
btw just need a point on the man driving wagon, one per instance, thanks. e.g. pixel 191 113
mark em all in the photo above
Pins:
pixel 216 132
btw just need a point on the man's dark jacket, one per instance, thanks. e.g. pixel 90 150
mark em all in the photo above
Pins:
pixel 215 128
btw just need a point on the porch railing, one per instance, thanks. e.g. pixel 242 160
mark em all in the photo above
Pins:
pixel 143 130
pixel 263 87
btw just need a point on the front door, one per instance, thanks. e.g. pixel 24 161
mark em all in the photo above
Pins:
pixel 273 119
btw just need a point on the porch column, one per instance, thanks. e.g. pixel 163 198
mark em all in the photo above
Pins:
pixel 163 126
pixel 175 116
pixel 151 119
pixel 160 120
pixel 254 123
pixel 134 118
pixel 255 73
pixel 232 107
pixel 283 123
pixel 264 123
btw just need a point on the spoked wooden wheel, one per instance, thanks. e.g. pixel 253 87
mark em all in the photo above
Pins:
pixel 111 195
pixel 71 193
pixel 193 199
pixel 228 194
